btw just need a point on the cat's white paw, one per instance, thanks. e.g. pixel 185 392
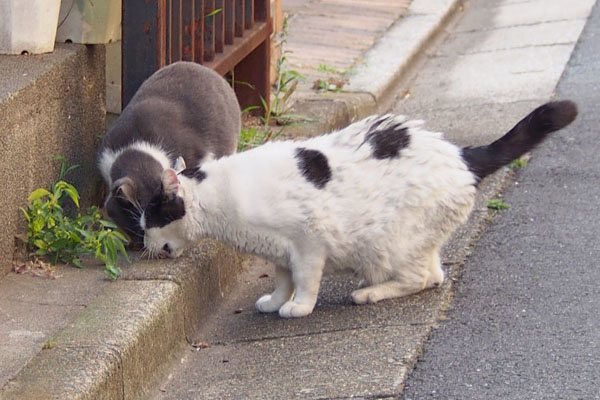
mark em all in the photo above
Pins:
pixel 366 295
pixel 291 309
pixel 266 304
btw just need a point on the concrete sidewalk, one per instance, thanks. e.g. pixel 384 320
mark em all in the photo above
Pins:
pixel 80 336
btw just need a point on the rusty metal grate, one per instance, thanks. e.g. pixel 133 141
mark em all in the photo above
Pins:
pixel 225 35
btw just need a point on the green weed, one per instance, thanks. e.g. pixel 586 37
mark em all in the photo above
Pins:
pixel 49 344
pixel 254 136
pixel 276 114
pixel 518 163
pixel 214 12
pixel 278 109
pixel 52 234
pixel 329 69
pixel 330 85
pixel 497 204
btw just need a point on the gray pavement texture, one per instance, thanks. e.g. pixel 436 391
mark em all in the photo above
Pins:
pixel 188 328
pixel 524 323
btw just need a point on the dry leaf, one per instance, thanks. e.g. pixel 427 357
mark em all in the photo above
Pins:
pixel 36 267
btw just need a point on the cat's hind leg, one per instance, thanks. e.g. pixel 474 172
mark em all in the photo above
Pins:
pixel 425 274
pixel 386 290
pixel 284 289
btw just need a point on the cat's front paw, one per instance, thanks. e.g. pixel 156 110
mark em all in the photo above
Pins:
pixel 266 304
pixel 291 309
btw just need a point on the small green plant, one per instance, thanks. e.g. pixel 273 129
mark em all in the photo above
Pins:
pixel 214 12
pixel 329 69
pixel 518 163
pixel 330 85
pixel 277 111
pixel 53 234
pixel 497 204
pixel 285 85
pixel 49 344
pixel 254 136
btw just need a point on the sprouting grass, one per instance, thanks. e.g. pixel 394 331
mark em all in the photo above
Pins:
pixel 329 69
pixel 518 163
pixel 333 84
pixel 330 85
pixel 255 136
pixel 497 204
pixel 214 12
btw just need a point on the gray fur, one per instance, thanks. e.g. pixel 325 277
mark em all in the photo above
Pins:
pixel 184 110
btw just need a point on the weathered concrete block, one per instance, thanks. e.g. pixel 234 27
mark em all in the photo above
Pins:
pixel 92 372
pixel 50 104
pixel 115 349
pixel 204 273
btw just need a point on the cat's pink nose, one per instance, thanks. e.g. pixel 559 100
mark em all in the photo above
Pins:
pixel 165 252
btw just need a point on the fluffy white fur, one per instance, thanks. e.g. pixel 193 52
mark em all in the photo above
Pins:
pixel 386 219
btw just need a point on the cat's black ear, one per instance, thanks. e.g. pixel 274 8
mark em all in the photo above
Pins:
pixel 124 189
pixel 170 183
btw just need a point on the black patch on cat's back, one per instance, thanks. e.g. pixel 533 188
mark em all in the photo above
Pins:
pixel 387 142
pixel 162 210
pixel 314 166
pixel 194 173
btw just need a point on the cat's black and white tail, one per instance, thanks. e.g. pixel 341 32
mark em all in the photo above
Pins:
pixel 525 136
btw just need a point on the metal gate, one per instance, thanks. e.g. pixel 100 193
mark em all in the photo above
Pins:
pixel 225 35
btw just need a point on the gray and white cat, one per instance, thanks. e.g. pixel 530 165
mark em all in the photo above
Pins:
pixel 380 197
pixel 183 110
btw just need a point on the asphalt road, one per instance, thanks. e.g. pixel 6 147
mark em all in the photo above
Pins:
pixel 525 322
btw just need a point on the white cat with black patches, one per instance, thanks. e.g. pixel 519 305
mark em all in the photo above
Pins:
pixel 183 110
pixel 380 197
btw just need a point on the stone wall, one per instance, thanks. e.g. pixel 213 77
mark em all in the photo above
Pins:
pixel 50 104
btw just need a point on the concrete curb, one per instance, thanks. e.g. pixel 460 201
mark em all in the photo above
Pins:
pixel 395 52
pixel 123 342
pixel 110 350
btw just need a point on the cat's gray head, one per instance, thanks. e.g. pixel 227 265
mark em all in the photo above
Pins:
pixel 165 221
pixel 136 178
pixel 123 208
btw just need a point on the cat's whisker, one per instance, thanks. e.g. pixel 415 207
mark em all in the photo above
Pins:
pixel 150 255
pixel 138 208
pixel 144 254
pixel 133 213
